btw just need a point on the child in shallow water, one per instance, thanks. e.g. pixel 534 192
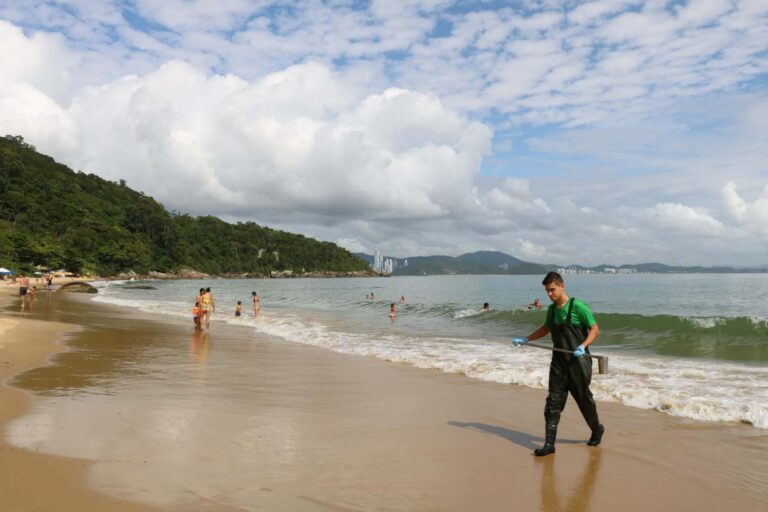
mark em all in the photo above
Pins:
pixel 196 316
pixel 239 308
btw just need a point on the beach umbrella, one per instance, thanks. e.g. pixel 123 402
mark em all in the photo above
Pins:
pixel 6 271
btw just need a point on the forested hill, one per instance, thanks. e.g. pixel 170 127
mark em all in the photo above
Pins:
pixel 51 215
pixel 482 262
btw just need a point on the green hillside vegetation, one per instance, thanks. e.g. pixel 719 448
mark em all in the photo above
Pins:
pixel 53 216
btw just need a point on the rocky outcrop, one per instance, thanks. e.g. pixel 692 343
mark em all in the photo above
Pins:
pixel 359 273
pixel 77 287
pixel 187 273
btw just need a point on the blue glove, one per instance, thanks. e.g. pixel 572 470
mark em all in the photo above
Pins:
pixel 579 352
pixel 519 341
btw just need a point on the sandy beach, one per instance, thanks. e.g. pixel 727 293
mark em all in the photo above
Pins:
pixel 341 432
pixel 32 481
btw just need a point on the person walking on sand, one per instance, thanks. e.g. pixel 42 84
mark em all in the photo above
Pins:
pixel 208 306
pixel 573 327
pixel 256 303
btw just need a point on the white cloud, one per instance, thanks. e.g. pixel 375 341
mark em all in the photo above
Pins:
pixel 514 196
pixel 360 125
pixel 699 12
pixel 353 245
pixel 685 220
pixel 197 15
pixel 753 215
pixel 30 61
pixel 531 251
pixel 299 144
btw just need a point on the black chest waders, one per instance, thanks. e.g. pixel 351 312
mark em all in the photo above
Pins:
pixel 568 373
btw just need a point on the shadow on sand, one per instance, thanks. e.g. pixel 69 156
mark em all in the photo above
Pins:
pixel 567 492
pixel 519 438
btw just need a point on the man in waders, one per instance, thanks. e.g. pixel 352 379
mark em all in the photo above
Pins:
pixel 573 328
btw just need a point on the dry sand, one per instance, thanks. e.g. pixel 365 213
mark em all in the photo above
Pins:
pixel 371 435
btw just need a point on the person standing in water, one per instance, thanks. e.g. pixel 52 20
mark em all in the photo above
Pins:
pixel 239 308
pixel 392 311
pixel 573 327
pixel 196 312
pixel 208 305
pixel 23 288
pixel 256 303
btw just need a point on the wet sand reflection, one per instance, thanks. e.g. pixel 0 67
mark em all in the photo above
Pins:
pixel 200 347
pixel 564 494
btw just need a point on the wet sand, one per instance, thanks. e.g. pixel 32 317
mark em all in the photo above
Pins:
pixel 338 432
pixel 32 481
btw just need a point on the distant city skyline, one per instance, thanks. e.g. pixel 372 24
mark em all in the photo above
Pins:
pixel 591 132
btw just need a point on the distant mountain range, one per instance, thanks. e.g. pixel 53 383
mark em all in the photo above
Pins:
pixel 494 262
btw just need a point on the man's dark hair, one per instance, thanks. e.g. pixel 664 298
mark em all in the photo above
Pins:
pixel 552 277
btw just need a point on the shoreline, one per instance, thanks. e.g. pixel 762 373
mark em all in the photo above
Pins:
pixel 440 441
pixel 30 480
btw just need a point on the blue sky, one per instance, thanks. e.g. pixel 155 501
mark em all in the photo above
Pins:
pixel 606 131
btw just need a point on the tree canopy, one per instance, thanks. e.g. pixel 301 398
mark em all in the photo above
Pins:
pixel 51 215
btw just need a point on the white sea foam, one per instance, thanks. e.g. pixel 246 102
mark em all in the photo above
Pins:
pixel 464 313
pixel 693 388
pixel 705 323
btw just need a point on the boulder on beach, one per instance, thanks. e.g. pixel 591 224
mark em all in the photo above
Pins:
pixel 78 287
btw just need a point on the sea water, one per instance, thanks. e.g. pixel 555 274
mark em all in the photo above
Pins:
pixel 690 345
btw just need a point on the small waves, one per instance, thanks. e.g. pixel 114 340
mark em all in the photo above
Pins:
pixel 740 326
pixel 662 379
pixel 464 313
pixel 701 390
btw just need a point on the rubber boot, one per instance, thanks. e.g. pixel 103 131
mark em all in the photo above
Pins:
pixel 597 436
pixel 549 443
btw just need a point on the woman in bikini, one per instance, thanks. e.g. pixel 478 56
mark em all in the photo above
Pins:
pixel 208 305
pixel 256 303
